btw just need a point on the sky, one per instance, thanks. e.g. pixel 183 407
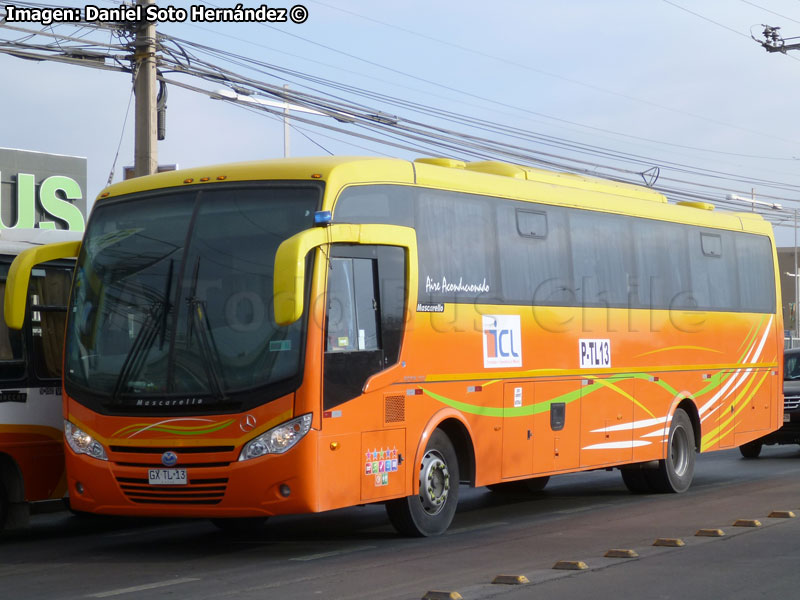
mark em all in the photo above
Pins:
pixel 674 81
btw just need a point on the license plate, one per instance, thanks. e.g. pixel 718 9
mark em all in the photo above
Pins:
pixel 167 477
pixel 787 417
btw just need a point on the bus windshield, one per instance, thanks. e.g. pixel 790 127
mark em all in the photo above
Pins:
pixel 172 302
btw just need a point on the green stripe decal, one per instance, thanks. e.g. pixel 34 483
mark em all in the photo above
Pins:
pixel 485 411
pixel 538 407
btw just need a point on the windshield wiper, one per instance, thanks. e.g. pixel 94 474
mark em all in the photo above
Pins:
pixel 140 347
pixel 155 320
pixel 208 347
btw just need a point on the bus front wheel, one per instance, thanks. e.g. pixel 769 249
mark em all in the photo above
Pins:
pixel 432 510
pixel 676 471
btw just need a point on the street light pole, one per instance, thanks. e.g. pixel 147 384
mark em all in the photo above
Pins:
pixel 226 94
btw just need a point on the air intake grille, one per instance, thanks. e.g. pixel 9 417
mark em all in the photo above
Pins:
pixel 150 457
pixel 791 402
pixel 130 465
pixel 394 408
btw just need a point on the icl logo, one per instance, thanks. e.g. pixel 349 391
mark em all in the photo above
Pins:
pixel 56 194
pixel 502 341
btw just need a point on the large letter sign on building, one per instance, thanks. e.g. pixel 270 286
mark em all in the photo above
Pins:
pixel 41 190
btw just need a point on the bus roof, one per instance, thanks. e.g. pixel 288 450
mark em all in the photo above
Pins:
pixel 481 177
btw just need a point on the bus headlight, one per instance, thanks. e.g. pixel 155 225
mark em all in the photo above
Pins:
pixel 278 439
pixel 82 443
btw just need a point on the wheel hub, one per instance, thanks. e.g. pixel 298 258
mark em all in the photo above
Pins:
pixel 434 482
pixel 680 452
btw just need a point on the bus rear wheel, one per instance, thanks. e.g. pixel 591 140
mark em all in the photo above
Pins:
pixel 751 449
pixel 676 471
pixel 432 510
pixel 636 481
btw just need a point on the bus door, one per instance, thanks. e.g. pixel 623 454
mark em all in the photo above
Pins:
pixel 363 330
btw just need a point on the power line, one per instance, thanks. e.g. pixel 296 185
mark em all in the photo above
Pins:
pixel 507 131
pixel 507 105
pixel 183 58
pixel 770 11
pixel 712 21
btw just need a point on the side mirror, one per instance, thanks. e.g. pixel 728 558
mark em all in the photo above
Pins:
pixel 19 276
pixel 290 263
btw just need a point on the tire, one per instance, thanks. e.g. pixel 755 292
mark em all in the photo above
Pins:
pixel 241 525
pixel 431 511
pixel 751 449
pixel 676 471
pixel 636 481
pixel 533 485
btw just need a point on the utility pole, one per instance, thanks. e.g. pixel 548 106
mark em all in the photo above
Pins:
pixel 145 83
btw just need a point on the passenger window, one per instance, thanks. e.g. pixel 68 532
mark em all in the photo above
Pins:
pixel 49 295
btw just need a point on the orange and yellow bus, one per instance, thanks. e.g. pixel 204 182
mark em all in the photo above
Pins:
pixel 31 422
pixel 302 335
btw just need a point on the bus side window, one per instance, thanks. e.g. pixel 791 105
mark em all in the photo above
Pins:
pixel 364 317
pixel 49 294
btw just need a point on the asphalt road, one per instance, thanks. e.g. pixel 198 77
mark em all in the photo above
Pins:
pixel 355 554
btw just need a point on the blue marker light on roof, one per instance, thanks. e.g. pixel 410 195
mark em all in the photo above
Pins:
pixel 322 217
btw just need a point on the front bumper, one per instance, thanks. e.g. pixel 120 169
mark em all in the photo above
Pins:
pixel 218 484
